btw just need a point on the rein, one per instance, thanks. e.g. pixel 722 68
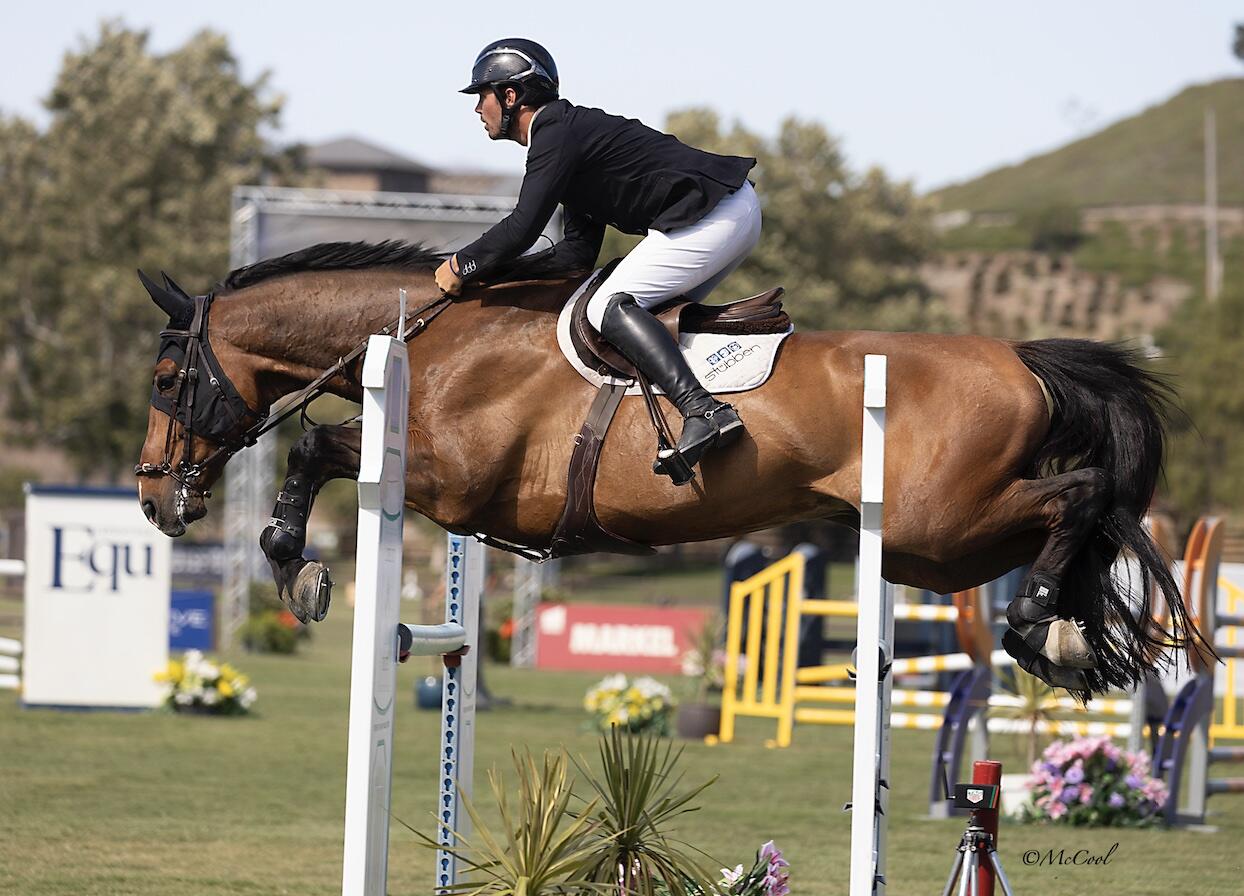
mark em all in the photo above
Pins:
pixel 197 361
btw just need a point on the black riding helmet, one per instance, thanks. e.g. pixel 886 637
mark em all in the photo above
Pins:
pixel 514 62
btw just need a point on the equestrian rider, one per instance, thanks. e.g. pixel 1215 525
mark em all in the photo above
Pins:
pixel 696 210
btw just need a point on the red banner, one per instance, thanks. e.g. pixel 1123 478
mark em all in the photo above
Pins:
pixel 615 638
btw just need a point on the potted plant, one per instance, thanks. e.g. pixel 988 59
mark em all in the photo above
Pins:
pixel 703 668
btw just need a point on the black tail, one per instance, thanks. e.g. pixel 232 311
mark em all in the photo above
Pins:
pixel 1110 413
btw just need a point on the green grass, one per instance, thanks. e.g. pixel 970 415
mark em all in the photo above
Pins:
pixel 1155 156
pixel 101 803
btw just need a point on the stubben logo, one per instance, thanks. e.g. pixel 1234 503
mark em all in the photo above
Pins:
pixel 612 639
pixel 729 355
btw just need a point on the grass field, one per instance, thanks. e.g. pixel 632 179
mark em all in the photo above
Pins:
pixel 103 803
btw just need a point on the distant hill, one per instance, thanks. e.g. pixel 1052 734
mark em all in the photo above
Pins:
pixel 1154 157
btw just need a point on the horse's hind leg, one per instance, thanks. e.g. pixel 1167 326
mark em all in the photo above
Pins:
pixel 1054 649
pixel 322 454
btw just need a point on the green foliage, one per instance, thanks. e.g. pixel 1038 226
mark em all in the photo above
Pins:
pixel 1202 349
pixel 542 847
pixel 640 795
pixel 844 244
pixel 271 628
pixel 1053 228
pixel 12 486
pixel 136 168
pixel 270 632
pixel 1154 157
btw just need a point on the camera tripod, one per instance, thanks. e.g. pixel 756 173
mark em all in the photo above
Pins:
pixel 976 842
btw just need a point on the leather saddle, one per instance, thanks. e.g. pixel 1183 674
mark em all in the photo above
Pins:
pixel 755 315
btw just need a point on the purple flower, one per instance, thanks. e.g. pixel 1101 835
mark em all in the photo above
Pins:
pixel 1132 781
pixel 1116 801
pixel 1075 774
pixel 1070 794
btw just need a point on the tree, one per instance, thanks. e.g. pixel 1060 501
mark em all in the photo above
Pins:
pixel 1205 468
pixel 136 168
pixel 1237 46
pixel 844 245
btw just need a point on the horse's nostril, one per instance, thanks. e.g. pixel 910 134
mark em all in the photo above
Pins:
pixel 149 508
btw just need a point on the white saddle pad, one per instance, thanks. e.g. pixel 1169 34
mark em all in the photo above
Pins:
pixel 722 363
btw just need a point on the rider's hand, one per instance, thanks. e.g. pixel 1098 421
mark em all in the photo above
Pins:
pixel 449 282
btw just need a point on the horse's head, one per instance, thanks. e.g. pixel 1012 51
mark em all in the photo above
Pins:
pixel 197 420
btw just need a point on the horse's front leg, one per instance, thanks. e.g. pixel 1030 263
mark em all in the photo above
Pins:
pixel 322 454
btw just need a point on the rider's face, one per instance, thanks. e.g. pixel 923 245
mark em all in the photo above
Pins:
pixel 489 110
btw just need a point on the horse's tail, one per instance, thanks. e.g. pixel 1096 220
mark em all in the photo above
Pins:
pixel 1109 412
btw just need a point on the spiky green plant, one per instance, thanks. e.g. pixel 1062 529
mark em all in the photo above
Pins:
pixel 544 848
pixel 639 794
pixel 1037 705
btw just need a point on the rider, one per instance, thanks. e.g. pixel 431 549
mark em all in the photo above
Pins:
pixel 697 211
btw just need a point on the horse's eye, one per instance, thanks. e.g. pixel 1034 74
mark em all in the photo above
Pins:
pixel 165 381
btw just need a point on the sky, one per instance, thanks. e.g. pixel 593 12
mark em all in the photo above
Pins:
pixel 934 92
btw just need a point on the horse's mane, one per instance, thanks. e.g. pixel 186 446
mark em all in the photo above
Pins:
pixel 393 254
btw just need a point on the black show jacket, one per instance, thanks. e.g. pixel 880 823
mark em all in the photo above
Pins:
pixel 605 170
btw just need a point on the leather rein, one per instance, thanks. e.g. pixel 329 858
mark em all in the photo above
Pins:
pixel 197 363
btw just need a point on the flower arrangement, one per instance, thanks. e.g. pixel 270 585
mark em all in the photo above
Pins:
pixel 769 876
pixel 1091 781
pixel 197 683
pixel 640 705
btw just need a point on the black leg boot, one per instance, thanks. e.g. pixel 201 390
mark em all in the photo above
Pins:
pixel 646 344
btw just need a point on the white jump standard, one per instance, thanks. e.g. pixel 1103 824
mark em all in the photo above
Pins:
pixel 380 642
pixel 874 654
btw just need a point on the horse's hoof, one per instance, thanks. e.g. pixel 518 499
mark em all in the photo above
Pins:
pixel 1065 646
pixel 311 593
pixel 1056 676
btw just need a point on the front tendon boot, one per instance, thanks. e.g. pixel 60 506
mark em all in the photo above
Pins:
pixel 1044 645
pixel 646 344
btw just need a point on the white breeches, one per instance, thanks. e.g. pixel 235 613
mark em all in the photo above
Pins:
pixel 688 261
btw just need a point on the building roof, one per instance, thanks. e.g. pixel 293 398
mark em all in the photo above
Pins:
pixel 351 153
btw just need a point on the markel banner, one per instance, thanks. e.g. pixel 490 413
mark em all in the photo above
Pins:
pixel 615 638
pixel 97 600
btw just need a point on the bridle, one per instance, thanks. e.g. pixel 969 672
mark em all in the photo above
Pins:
pixel 244 424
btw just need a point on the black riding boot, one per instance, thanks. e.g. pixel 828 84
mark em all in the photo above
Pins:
pixel 646 344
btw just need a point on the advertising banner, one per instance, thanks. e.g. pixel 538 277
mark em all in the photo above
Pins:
pixel 97 600
pixel 615 638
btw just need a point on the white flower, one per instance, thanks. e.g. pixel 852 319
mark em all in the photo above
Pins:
pixel 612 683
pixel 728 877
pixel 650 688
pixel 211 698
pixel 247 698
pixel 183 699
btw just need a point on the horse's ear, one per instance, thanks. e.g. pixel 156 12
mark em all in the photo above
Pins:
pixel 171 285
pixel 177 307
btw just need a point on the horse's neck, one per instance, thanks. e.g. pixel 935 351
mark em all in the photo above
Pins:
pixel 290 330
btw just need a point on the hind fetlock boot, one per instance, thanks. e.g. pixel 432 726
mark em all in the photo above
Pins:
pixel 707 423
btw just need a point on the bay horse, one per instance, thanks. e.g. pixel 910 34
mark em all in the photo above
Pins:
pixel 998 453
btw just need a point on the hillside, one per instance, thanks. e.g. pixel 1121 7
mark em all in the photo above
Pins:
pixel 1153 157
